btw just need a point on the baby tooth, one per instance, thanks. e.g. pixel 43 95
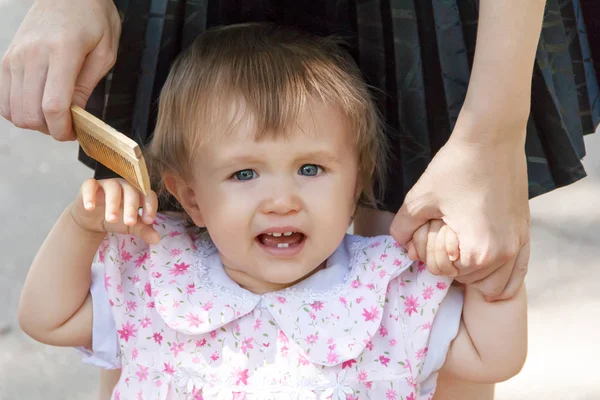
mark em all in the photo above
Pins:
pixel 288 234
pixel 276 234
pixel 282 245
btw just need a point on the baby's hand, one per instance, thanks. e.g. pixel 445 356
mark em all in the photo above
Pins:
pixel 111 205
pixel 437 246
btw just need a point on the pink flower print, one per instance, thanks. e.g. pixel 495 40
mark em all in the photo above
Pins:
pixel 312 315
pixel 384 360
pixel 363 376
pixel 145 322
pixel 257 323
pixel 441 285
pixel 177 348
pixel 411 397
pixel 174 234
pixel 421 266
pixel 156 274
pixel 112 303
pixel 397 262
pixel 142 259
pixel 391 394
pixel 359 300
pixel 191 288
pixel 193 320
pixel 239 396
pixel 196 360
pixel 135 279
pixel 421 353
pixel 373 266
pixel 175 304
pixel 140 395
pixel 369 345
pixel 312 339
pixel 332 357
pixel 383 256
pixel 213 334
pixel 411 304
pixel 393 342
pixel 175 252
pixel 117 395
pixel 247 344
pixel 348 364
pixel 343 301
pixel 375 244
pixel 369 385
pixel 134 353
pixel 148 289
pixel 179 269
pixel 370 286
pixel 142 373
pixel 120 288
pixel 355 284
pixel 383 331
pixel 127 330
pixel 284 351
pixel 281 336
pixel 281 299
pixel 427 292
pixel 214 356
pixel 351 397
pixel 396 244
pixel 201 343
pixel 302 360
pixel 382 273
pixel 426 326
pixel 317 305
pixel 151 304
pixel 130 306
pixel 169 369
pixel 158 383
pixel 125 255
pixel 241 377
pixel 371 315
pixel 107 281
pixel 402 283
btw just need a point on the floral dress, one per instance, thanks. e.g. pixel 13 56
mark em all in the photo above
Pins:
pixel 371 325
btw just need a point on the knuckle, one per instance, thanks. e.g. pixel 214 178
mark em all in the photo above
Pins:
pixel 54 106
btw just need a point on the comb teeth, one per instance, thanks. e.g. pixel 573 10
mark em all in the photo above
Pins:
pixel 108 157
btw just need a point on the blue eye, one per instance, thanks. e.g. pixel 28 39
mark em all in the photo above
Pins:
pixel 310 170
pixel 245 175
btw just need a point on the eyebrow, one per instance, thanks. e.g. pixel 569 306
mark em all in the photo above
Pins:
pixel 318 157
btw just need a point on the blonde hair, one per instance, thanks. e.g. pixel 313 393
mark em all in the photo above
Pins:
pixel 275 71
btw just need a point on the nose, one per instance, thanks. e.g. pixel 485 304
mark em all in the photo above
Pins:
pixel 281 198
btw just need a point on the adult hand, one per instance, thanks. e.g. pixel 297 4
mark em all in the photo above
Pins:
pixel 59 54
pixel 480 191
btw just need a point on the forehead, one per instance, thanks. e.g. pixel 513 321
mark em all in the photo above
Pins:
pixel 317 126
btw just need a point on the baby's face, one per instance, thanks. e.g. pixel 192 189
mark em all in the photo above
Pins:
pixel 277 208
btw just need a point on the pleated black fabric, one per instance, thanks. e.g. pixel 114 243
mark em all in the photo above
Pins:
pixel 417 54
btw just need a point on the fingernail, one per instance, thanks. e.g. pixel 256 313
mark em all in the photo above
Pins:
pixel 452 257
pixel 89 205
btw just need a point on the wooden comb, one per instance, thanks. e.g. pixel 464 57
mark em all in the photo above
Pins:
pixel 111 148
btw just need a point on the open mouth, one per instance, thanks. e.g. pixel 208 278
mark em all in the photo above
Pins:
pixel 281 240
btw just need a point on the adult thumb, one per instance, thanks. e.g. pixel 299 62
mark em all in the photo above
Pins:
pixel 415 212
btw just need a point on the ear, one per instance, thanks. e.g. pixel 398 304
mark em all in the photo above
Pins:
pixel 185 195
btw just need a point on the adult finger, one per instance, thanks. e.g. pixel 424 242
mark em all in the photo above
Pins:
pixel 16 92
pixel 494 284
pixel 415 212
pixel 58 92
pixel 5 85
pixel 517 277
pixel 441 255
pixel 33 89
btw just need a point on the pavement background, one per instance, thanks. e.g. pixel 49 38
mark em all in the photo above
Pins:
pixel 39 177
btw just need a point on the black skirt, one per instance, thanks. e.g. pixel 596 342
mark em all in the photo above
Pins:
pixel 418 53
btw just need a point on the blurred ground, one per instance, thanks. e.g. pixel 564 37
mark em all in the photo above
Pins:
pixel 40 176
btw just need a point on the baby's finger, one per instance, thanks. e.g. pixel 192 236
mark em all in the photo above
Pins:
pixel 131 203
pixel 89 190
pixel 145 232
pixel 112 193
pixel 432 265
pixel 441 255
pixel 150 207
pixel 412 251
pixel 452 245
pixel 420 241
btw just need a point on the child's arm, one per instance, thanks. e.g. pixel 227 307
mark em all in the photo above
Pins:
pixel 491 344
pixel 55 306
